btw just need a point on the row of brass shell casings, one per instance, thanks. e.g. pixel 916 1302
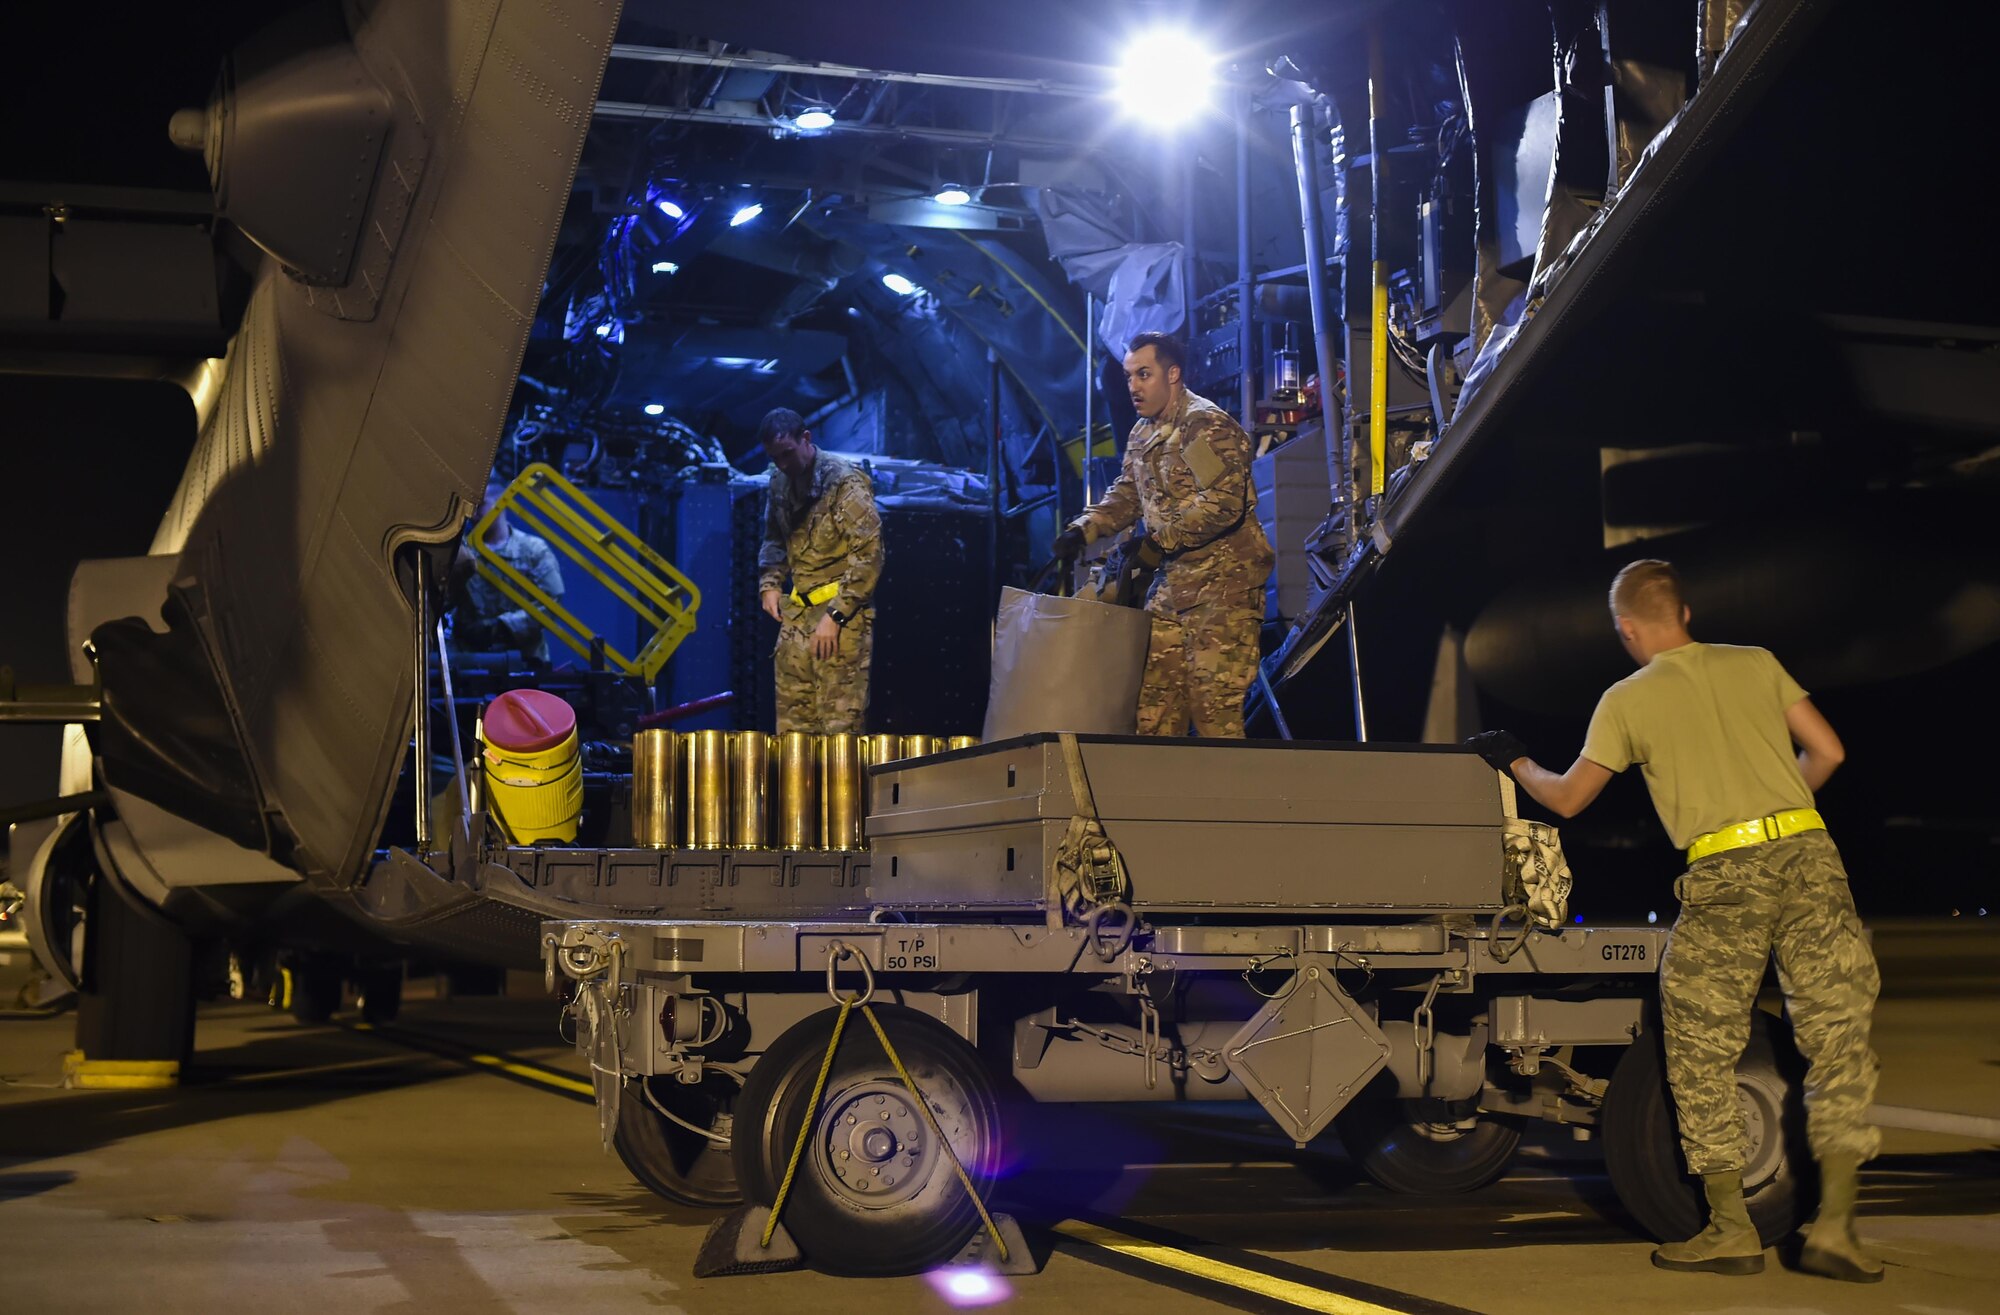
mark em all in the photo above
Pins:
pixel 749 790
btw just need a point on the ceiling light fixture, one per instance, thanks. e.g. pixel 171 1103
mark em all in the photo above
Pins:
pixel 746 214
pixel 952 196
pixel 654 409
pixel 671 209
pixel 665 267
pixel 814 120
pixel 899 285
pixel 1165 78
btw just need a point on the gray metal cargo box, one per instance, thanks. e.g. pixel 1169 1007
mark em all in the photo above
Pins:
pixel 1202 824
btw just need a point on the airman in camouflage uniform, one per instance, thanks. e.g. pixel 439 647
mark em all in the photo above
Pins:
pixel 1186 476
pixel 1714 727
pixel 820 528
pixel 489 619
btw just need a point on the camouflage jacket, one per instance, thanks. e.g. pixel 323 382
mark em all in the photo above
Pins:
pixel 490 611
pixel 827 533
pixel 1187 476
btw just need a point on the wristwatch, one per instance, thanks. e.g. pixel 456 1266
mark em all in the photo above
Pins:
pixel 838 619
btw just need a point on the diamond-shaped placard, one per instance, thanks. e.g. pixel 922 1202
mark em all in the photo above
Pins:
pixel 1305 1054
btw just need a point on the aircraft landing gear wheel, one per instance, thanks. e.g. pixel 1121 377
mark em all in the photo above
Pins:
pixel 874 1193
pixel 381 989
pixel 671 1160
pixel 1404 1153
pixel 1642 1150
pixel 316 990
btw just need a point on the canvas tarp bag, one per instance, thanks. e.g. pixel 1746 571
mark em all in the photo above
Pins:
pixel 1065 664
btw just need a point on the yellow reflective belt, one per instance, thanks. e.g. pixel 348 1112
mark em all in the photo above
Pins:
pixel 1776 826
pixel 814 597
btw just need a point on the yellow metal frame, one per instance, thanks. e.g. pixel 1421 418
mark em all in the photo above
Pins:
pixel 558 511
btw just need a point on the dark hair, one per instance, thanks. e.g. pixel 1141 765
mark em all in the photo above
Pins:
pixel 1166 349
pixel 780 422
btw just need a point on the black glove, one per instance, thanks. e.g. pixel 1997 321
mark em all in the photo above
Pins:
pixel 1499 748
pixel 1069 544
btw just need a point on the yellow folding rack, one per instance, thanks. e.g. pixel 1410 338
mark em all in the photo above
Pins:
pixel 616 558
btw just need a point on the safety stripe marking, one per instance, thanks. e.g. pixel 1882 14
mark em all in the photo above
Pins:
pixel 536 1074
pixel 1300 1295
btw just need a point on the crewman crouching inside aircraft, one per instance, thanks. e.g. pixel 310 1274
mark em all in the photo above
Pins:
pixel 822 530
pixel 488 619
pixel 1186 477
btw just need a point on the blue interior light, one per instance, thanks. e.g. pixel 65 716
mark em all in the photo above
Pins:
pixel 746 214
pixel 654 409
pixel 814 120
pixel 671 209
pixel 952 196
pixel 899 285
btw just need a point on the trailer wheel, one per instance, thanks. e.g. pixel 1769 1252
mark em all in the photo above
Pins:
pixel 669 1159
pixel 874 1193
pixel 1406 1154
pixel 1642 1150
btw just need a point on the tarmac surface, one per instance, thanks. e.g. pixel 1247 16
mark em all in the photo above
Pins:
pixel 335 1168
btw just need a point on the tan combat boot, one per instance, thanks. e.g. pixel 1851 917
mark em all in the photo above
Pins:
pixel 1729 1245
pixel 1831 1248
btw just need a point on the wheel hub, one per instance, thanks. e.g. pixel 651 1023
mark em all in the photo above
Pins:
pixel 875 1147
pixel 1763 1127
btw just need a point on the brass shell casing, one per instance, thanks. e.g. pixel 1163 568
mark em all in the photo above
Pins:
pixel 684 790
pixel 750 790
pixel 957 742
pixel 708 813
pixel 655 792
pixel 879 749
pixel 798 791
pixel 840 792
pixel 920 746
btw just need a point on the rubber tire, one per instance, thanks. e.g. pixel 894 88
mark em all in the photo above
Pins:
pixel 667 1158
pixel 1642 1149
pixel 835 1235
pixel 1389 1149
pixel 381 990
pixel 316 991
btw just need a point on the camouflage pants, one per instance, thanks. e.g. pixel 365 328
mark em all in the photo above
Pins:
pixel 823 696
pixel 1199 665
pixel 1738 907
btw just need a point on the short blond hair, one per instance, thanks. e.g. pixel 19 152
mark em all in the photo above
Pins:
pixel 1648 590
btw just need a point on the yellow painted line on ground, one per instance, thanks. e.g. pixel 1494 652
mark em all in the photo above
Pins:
pixel 314 1070
pixel 498 1063
pixel 1302 1295
pixel 512 1069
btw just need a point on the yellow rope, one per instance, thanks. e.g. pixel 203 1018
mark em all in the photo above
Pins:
pixel 931 1117
pixel 805 1127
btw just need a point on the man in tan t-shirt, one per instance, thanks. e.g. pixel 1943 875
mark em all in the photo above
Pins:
pixel 1712 727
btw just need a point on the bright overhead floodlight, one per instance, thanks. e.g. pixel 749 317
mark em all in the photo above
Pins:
pixel 654 409
pixel 1165 78
pixel 665 267
pixel 814 120
pixel 899 285
pixel 671 209
pixel 952 196
pixel 746 214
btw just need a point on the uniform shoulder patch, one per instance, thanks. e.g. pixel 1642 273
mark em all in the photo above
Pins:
pixel 1203 460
